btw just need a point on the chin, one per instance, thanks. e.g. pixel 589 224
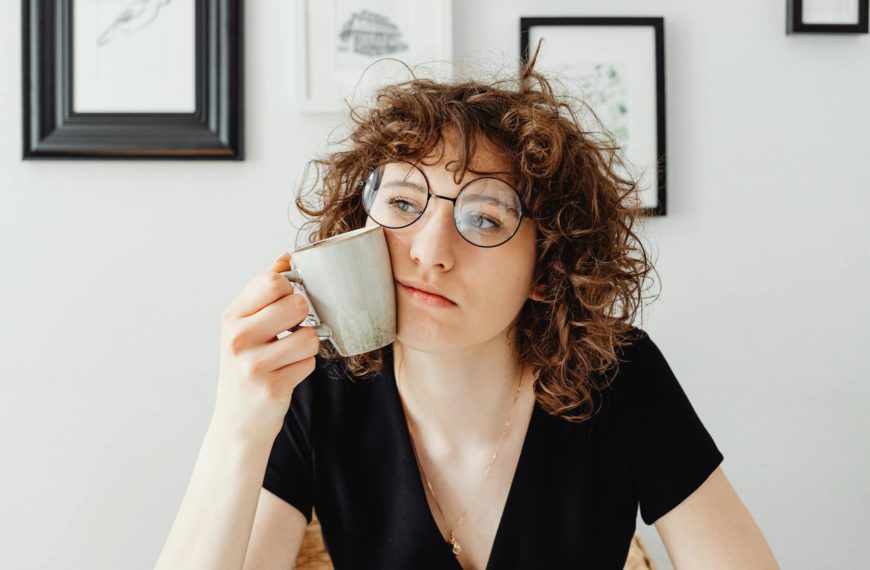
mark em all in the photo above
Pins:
pixel 426 334
pixel 432 336
pixel 425 345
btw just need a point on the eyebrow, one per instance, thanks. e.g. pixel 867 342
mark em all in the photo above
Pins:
pixel 403 184
pixel 491 200
pixel 422 189
pixel 415 186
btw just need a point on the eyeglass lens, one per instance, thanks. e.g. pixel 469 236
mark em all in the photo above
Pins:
pixel 487 212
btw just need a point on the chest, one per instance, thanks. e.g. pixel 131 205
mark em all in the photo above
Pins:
pixel 555 492
pixel 467 495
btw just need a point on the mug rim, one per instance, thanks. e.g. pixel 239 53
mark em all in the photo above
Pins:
pixel 339 238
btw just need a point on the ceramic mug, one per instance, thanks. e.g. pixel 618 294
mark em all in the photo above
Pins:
pixel 348 283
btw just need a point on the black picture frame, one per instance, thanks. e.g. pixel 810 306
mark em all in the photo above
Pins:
pixel 657 23
pixel 52 130
pixel 794 23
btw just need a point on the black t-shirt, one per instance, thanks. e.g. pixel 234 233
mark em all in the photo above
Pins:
pixel 345 450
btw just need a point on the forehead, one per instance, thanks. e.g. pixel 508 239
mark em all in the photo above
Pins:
pixel 488 158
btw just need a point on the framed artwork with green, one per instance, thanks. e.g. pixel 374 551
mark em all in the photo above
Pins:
pixel 614 67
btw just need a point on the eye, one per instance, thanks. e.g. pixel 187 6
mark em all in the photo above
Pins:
pixel 394 203
pixel 477 218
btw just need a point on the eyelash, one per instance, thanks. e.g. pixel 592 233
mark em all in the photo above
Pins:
pixel 495 223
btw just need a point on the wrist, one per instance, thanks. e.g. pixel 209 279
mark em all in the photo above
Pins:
pixel 232 436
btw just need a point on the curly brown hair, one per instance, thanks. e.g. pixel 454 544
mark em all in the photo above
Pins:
pixel 589 279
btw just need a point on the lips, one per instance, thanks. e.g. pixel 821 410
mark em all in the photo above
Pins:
pixel 428 289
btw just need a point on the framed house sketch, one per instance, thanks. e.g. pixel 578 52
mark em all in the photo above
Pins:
pixel 616 66
pixel 339 40
pixel 826 16
pixel 154 79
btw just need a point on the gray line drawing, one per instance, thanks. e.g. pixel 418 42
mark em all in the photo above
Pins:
pixel 136 16
pixel 369 33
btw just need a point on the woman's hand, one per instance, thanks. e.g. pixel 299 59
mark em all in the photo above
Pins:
pixel 258 371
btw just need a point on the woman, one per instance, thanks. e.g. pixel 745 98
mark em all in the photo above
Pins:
pixel 517 421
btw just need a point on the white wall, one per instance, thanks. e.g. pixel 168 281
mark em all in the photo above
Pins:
pixel 114 275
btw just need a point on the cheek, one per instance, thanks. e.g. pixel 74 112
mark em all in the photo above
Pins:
pixel 393 243
pixel 397 249
pixel 507 279
pixel 499 282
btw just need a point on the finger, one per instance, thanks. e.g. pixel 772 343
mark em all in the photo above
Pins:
pixel 281 263
pixel 308 345
pixel 263 290
pixel 300 345
pixel 282 315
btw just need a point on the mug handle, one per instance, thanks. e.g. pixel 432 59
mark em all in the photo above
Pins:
pixel 324 332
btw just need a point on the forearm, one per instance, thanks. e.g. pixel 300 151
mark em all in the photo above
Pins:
pixel 213 525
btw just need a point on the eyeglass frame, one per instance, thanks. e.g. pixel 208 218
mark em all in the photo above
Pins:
pixel 429 194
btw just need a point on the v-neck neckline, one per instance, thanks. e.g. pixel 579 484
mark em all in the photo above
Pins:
pixel 420 491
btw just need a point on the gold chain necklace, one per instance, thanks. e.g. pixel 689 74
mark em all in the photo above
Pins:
pixel 456 547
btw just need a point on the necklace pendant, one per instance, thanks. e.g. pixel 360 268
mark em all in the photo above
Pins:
pixel 456 548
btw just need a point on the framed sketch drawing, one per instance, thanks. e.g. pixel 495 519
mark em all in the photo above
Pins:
pixel 615 66
pixel 826 16
pixel 340 39
pixel 132 79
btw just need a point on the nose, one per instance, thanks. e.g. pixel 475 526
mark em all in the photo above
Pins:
pixel 434 241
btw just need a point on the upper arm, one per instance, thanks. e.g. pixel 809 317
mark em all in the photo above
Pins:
pixel 276 536
pixel 712 529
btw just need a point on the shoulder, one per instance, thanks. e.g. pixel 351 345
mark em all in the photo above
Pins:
pixel 330 393
pixel 642 367
pixel 314 389
pixel 671 450
pixel 634 346
pixel 644 388
pixel 646 394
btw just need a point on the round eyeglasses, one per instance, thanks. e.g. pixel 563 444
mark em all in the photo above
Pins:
pixel 487 211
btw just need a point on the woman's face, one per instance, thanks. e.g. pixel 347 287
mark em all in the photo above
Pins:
pixel 488 286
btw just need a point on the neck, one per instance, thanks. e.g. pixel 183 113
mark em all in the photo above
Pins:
pixel 459 398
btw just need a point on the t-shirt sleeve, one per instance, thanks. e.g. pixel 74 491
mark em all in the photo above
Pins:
pixel 290 469
pixel 672 453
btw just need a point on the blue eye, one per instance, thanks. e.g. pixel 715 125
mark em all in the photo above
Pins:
pixel 477 218
pixel 394 203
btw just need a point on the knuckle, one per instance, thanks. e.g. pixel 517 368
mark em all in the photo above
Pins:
pixel 301 305
pixel 305 336
pixel 277 283
pixel 226 316
pixel 237 340
pixel 291 308
pixel 315 343
pixel 250 367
